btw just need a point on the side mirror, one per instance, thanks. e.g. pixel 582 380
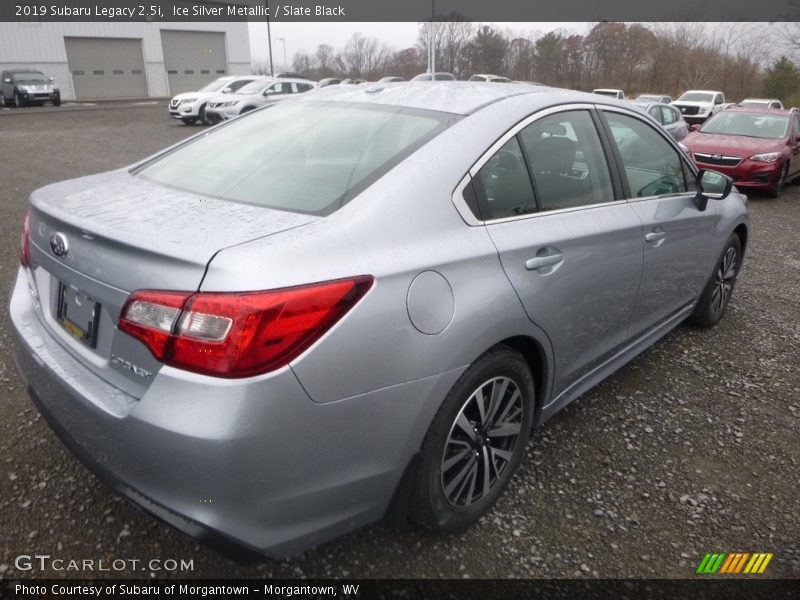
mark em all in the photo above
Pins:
pixel 6 81
pixel 694 127
pixel 227 90
pixel 711 185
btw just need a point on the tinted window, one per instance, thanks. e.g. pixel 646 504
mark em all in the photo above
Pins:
pixel 237 84
pixel 303 87
pixel 301 157
pixel 652 165
pixel 567 161
pixel 504 185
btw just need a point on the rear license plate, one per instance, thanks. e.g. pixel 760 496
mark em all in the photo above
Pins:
pixel 78 314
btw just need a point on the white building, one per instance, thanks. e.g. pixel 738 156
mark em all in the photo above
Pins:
pixel 127 60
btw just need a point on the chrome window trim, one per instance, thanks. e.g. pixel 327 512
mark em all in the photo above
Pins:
pixel 458 198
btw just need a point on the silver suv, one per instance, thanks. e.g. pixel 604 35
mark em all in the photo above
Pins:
pixel 24 87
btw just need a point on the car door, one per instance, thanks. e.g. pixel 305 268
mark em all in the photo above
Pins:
pixel 678 237
pixel 794 144
pixel 570 247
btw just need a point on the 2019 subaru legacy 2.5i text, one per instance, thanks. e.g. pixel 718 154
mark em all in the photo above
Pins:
pixel 363 294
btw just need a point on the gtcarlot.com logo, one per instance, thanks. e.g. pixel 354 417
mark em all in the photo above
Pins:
pixel 734 563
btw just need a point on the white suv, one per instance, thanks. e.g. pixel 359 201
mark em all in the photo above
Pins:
pixel 261 92
pixel 190 107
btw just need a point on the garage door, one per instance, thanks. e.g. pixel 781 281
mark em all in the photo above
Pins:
pixel 106 67
pixel 193 58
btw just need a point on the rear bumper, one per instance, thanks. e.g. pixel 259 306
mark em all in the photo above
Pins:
pixel 253 463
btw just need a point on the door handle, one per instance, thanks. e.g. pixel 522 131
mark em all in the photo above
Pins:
pixel 541 262
pixel 655 236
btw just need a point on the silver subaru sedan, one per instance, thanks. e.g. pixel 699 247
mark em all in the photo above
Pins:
pixel 360 301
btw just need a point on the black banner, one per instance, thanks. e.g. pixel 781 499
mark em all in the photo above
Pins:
pixel 750 588
pixel 398 10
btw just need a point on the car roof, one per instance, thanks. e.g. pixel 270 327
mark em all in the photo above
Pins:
pixel 23 71
pixel 760 100
pixel 458 97
pixel 702 92
pixel 606 90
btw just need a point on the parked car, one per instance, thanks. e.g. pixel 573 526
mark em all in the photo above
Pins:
pixel 697 106
pixel 264 317
pixel 757 148
pixel 353 81
pixel 489 78
pixel 761 103
pixel 254 95
pixel 648 98
pixel 668 117
pixel 23 87
pixel 190 107
pixel 328 81
pixel 437 77
pixel 390 79
pixel 618 94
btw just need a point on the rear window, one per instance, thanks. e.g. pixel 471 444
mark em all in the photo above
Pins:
pixel 309 157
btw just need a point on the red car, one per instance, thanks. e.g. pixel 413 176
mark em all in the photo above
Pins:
pixel 758 148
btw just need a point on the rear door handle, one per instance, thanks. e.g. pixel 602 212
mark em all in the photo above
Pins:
pixel 655 236
pixel 541 262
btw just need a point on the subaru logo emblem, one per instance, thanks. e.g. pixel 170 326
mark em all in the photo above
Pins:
pixel 683 110
pixel 716 156
pixel 58 244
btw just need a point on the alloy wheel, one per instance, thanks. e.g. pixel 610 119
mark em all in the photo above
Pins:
pixel 723 284
pixel 482 441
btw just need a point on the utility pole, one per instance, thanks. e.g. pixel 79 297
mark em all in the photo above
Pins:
pixel 269 41
pixel 433 41
pixel 285 64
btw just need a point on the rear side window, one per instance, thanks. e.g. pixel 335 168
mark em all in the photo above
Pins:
pixel 653 167
pixel 307 157
pixel 567 161
pixel 668 115
pixel 237 84
pixel 503 184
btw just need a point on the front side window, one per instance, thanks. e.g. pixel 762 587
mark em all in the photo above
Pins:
pixel 655 112
pixel 653 167
pixel 309 157
pixel 567 161
pixel 239 84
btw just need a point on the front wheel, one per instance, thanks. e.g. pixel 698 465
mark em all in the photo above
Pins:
pixel 189 120
pixel 203 118
pixel 777 188
pixel 475 443
pixel 3 100
pixel 717 293
pixel 19 101
pixel 57 101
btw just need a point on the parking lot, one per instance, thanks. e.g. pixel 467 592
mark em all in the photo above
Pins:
pixel 692 448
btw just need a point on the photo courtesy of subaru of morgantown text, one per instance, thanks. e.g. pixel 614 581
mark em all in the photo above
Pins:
pixel 341 316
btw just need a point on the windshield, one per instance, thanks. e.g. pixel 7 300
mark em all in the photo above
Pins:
pixel 769 127
pixel 758 103
pixel 32 77
pixel 215 86
pixel 309 157
pixel 254 87
pixel 611 93
pixel 697 97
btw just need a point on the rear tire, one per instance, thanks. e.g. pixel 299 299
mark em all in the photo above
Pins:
pixel 3 100
pixel 717 293
pixel 475 443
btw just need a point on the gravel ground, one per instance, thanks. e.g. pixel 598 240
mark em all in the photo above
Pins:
pixel 692 448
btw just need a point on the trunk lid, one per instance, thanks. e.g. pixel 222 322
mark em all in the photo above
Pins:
pixel 122 233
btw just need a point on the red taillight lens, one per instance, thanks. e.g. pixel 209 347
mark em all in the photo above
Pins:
pixel 238 334
pixel 25 241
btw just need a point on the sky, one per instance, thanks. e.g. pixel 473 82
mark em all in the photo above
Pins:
pixel 305 37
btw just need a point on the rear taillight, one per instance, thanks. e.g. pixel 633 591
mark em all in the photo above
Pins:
pixel 238 334
pixel 25 241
